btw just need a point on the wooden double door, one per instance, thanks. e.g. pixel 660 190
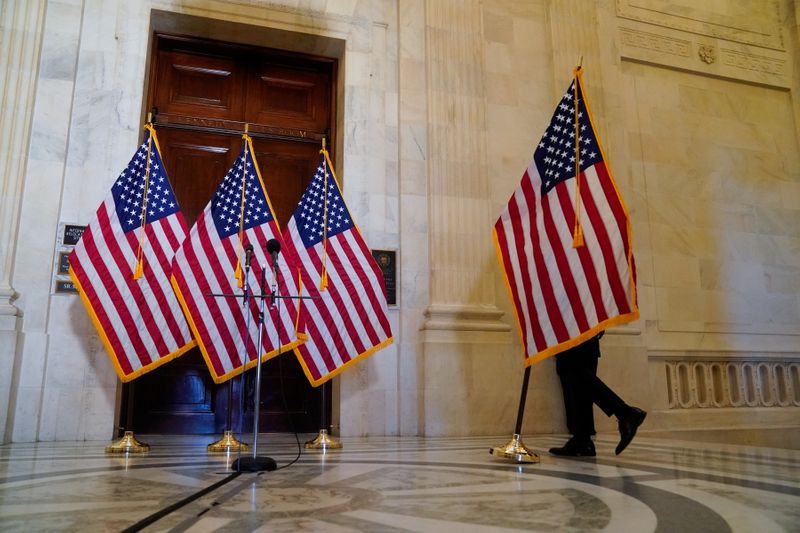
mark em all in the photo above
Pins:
pixel 203 93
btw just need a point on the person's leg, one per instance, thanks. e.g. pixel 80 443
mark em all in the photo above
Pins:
pixel 576 368
pixel 577 403
pixel 629 418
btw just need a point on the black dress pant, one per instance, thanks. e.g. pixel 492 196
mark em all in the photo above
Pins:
pixel 577 370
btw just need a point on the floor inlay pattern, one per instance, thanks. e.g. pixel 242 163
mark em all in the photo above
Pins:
pixel 403 484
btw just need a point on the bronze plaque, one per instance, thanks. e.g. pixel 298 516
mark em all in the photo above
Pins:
pixel 387 262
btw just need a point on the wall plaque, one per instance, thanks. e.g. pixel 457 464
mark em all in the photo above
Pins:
pixel 63 262
pixel 65 286
pixel 387 262
pixel 72 234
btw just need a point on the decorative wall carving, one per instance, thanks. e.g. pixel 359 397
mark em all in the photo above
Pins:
pixel 720 383
pixel 754 62
pixel 658 43
pixel 707 54
pixel 670 48
pixel 754 22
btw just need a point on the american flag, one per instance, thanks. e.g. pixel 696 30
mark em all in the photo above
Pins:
pixel 208 262
pixel 137 227
pixel 565 292
pixel 348 320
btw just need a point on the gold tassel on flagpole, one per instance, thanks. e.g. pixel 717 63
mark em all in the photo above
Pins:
pixel 323 282
pixel 239 274
pixel 138 271
pixel 577 234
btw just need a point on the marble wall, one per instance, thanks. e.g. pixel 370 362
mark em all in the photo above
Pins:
pixel 441 105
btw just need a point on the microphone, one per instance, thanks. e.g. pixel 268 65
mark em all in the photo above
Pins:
pixel 274 247
pixel 248 254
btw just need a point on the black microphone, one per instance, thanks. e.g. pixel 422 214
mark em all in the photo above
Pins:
pixel 274 247
pixel 248 254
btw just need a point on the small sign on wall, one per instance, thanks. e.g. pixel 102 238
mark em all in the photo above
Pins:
pixel 63 263
pixel 67 237
pixel 72 234
pixel 63 286
pixel 387 262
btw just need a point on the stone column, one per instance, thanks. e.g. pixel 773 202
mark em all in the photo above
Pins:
pixel 21 25
pixel 462 287
pixel 463 323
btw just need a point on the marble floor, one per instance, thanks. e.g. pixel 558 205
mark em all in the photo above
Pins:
pixel 402 484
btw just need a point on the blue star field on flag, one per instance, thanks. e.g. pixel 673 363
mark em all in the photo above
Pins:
pixel 129 195
pixel 555 155
pixel 312 205
pixel 226 206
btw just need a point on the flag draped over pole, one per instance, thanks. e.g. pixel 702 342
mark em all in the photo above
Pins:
pixel 212 261
pixel 564 239
pixel 347 319
pixel 121 267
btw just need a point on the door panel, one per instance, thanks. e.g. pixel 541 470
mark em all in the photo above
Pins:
pixel 197 85
pixel 196 162
pixel 286 168
pixel 288 97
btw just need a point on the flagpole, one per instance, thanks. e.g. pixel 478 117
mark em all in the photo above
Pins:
pixel 515 450
pixel 324 441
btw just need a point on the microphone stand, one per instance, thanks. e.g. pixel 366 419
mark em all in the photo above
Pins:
pixel 255 463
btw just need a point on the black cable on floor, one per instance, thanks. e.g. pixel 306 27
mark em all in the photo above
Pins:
pixel 143 523
pixel 289 415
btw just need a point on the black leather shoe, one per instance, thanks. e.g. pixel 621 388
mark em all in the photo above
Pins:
pixel 575 448
pixel 628 426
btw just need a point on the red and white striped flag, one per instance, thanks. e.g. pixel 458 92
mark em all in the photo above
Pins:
pixel 212 261
pixel 121 267
pixel 564 242
pixel 347 318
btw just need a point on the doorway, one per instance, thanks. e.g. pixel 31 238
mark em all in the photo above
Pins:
pixel 203 93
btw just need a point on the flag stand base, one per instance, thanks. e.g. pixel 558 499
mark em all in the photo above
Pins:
pixel 128 444
pixel 323 441
pixel 254 464
pixel 228 443
pixel 516 451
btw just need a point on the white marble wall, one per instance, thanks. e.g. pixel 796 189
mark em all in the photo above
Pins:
pixel 437 121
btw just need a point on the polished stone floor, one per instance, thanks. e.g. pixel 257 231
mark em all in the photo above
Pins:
pixel 402 484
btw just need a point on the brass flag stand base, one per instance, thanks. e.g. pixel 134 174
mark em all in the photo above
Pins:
pixel 128 444
pixel 323 441
pixel 516 451
pixel 228 443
